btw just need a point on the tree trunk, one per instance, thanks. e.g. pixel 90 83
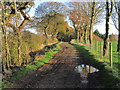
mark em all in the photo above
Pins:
pixel 85 37
pixel 118 46
pixel 18 36
pixel 45 32
pixel 86 34
pixel 6 50
pixel 77 36
pixel 6 53
pixel 81 36
pixel 105 47
pixel 108 14
pixel 76 33
pixel 91 26
pixel 19 48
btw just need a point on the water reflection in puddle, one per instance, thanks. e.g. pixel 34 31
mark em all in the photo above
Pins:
pixel 84 70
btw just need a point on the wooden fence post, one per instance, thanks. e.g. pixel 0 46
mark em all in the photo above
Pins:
pixel 94 46
pixel 97 48
pixel 110 54
pixel 101 50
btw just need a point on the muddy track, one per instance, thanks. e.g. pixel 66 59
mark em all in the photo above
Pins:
pixel 59 72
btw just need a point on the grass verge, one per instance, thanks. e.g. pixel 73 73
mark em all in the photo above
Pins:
pixel 37 63
pixel 108 76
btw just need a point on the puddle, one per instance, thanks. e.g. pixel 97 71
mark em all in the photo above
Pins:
pixel 84 70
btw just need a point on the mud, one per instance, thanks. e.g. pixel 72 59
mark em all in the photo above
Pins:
pixel 60 72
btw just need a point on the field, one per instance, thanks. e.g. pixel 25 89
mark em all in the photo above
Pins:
pixel 97 52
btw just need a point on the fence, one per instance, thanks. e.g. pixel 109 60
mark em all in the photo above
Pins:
pixel 97 50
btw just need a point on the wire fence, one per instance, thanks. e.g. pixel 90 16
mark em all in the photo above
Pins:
pixel 97 50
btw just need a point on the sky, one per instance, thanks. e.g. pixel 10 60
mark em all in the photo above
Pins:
pixel 100 27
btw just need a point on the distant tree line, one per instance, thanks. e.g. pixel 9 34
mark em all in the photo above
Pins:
pixel 96 32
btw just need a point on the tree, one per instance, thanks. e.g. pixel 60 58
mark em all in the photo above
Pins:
pixel 48 8
pixel 96 32
pixel 11 13
pixel 91 24
pixel 52 25
pixel 112 37
pixel 78 19
pixel 51 18
pixel 84 16
pixel 21 7
pixel 67 35
pixel 5 47
pixel 116 21
pixel 109 9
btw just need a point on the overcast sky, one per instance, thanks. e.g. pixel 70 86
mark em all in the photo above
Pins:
pixel 100 26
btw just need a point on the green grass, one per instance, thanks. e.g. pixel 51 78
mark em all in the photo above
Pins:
pixel 115 57
pixel 96 51
pixel 90 57
pixel 109 76
pixel 37 63
pixel 115 54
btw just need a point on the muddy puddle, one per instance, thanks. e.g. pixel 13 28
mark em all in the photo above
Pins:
pixel 84 70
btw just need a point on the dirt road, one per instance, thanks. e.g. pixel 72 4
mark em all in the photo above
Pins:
pixel 59 72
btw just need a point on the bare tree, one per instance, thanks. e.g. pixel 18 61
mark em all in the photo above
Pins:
pixel 5 47
pixel 79 18
pixel 84 15
pixel 11 12
pixel 49 15
pixel 116 21
pixel 109 8
pixel 92 24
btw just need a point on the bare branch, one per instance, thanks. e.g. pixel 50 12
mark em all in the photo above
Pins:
pixel 114 21
pixel 12 26
pixel 111 9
